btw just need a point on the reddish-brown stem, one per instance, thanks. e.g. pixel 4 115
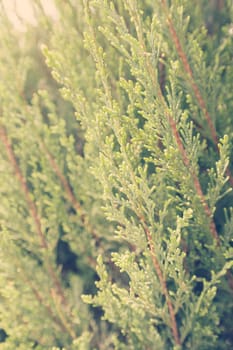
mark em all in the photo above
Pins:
pixel 61 314
pixel 68 191
pixel 22 181
pixel 195 88
pixel 158 270
pixel 39 297
pixel 186 161
pixel 45 305
pixel 162 281
pixel 57 284
pixel 64 182
pixel 31 205
pixel 196 181
pixel 173 126
pixel 196 184
pixel 228 172
pixel 220 5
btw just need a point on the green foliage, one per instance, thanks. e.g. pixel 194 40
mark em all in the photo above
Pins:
pixel 116 148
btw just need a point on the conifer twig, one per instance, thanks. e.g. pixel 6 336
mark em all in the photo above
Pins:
pixel 187 68
pixel 64 182
pixel 179 142
pixel 173 126
pixel 196 181
pixel 158 270
pixel 24 187
pixel 31 206
pixel 68 191
pixel 61 314
pixel 40 300
pixel 162 281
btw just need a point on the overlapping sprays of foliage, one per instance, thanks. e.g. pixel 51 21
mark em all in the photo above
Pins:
pixel 116 177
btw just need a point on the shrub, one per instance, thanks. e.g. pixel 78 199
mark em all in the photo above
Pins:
pixel 116 177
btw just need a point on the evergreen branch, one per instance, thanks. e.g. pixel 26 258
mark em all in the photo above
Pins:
pixel 97 54
pixel 187 68
pixel 67 188
pixel 155 261
pixel 156 264
pixel 196 181
pixel 69 193
pixel 32 208
pixel 161 280
pixel 198 188
pixel 64 182
pixel 31 205
pixel 48 309
pixel 176 135
pixel 167 290
pixel 181 148
pixel 173 126
pixel 61 315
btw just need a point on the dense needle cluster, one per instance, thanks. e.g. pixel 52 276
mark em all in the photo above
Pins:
pixel 116 176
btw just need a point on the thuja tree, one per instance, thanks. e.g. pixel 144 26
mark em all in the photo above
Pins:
pixel 115 215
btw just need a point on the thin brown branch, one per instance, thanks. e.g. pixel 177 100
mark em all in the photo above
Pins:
pixel 31 205
pixel 196 181
pixel 177 137
pixel 162 281
pixel 65 184
pixel 68 191
pixel 195 88
pixel 61 321
pixel 69 194
pixel 61 314
pixel 197 184
pixel 33 212
pixel 45 305
pixel 176 133
pixel 182 150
